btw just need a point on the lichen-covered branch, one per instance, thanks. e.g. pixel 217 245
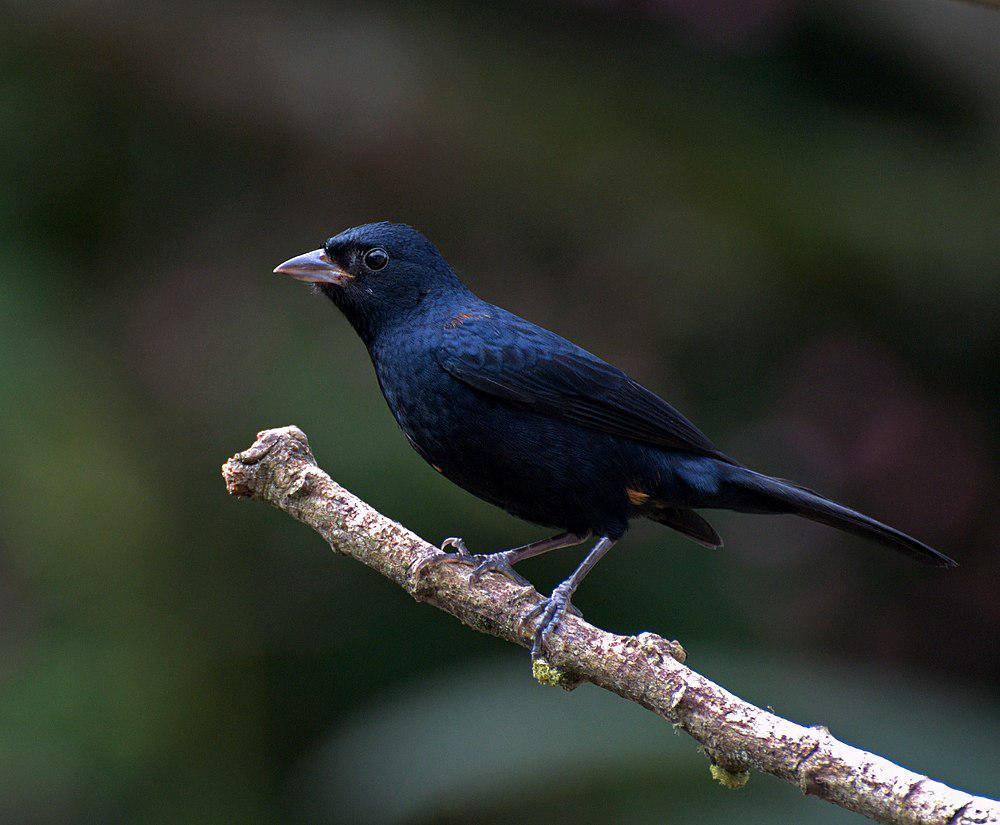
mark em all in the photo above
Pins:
pixel 280 469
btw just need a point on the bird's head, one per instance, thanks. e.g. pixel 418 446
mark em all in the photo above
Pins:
pixel 376 273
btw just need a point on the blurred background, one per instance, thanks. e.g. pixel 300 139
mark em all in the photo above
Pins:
pixel 781 215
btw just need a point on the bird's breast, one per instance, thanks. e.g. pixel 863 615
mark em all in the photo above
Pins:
pixel 417 393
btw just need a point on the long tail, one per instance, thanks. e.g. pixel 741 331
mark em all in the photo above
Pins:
pixel 747 491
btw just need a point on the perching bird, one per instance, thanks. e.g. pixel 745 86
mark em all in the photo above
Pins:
pixel 534 424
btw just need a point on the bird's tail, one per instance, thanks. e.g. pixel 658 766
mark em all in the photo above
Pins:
pixel 748 491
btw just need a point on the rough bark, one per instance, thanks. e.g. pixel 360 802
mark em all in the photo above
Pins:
pixel 737 736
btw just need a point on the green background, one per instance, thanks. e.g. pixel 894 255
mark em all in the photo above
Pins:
pixel 781 216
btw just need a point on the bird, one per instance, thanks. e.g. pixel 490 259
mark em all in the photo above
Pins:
pixel 536 425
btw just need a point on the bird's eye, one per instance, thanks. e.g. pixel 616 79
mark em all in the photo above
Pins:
pixel 376 259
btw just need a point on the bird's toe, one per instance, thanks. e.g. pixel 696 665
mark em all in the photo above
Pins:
pixel 462 555
pixel 497 563
pixel 458 544
pixel 550 613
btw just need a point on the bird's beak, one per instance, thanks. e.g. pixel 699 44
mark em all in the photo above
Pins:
pixel 314 267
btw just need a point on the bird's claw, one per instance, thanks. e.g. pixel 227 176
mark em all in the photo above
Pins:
pixel 492 563
pixel 550 613
pixel 462 554
pixel 459 544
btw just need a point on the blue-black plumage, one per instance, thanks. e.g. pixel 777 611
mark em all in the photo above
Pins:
pixel 532 423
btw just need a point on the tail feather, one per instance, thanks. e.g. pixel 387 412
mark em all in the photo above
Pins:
pixel 760 493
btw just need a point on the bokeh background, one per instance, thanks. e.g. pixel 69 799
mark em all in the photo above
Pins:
pixel 781 215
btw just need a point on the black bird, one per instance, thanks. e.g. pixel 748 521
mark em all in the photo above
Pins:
pixel 534 424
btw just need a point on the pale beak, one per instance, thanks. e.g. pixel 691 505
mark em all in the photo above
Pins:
pixel 314 267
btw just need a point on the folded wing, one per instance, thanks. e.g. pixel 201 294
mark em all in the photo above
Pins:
pixel 511 359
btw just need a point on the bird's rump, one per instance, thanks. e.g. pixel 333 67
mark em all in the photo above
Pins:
pixel 511 359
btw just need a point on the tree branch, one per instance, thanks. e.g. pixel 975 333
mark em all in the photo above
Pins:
pixel 280 470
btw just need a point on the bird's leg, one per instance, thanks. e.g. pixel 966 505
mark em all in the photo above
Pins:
pixel 501 562
pixel 552 609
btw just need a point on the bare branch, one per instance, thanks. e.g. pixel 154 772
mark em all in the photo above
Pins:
pixel 280 469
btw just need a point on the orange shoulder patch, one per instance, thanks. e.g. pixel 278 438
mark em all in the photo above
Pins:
pixel 637 497
pixel 461 318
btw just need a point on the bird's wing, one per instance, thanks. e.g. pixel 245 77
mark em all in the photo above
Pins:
pixel 511 359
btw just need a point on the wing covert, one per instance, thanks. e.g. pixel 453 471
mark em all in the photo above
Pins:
pixel 511 359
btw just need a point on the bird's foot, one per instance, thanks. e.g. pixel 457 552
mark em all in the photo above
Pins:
pixel 491 563
pixel 496 563
pixel 550 613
